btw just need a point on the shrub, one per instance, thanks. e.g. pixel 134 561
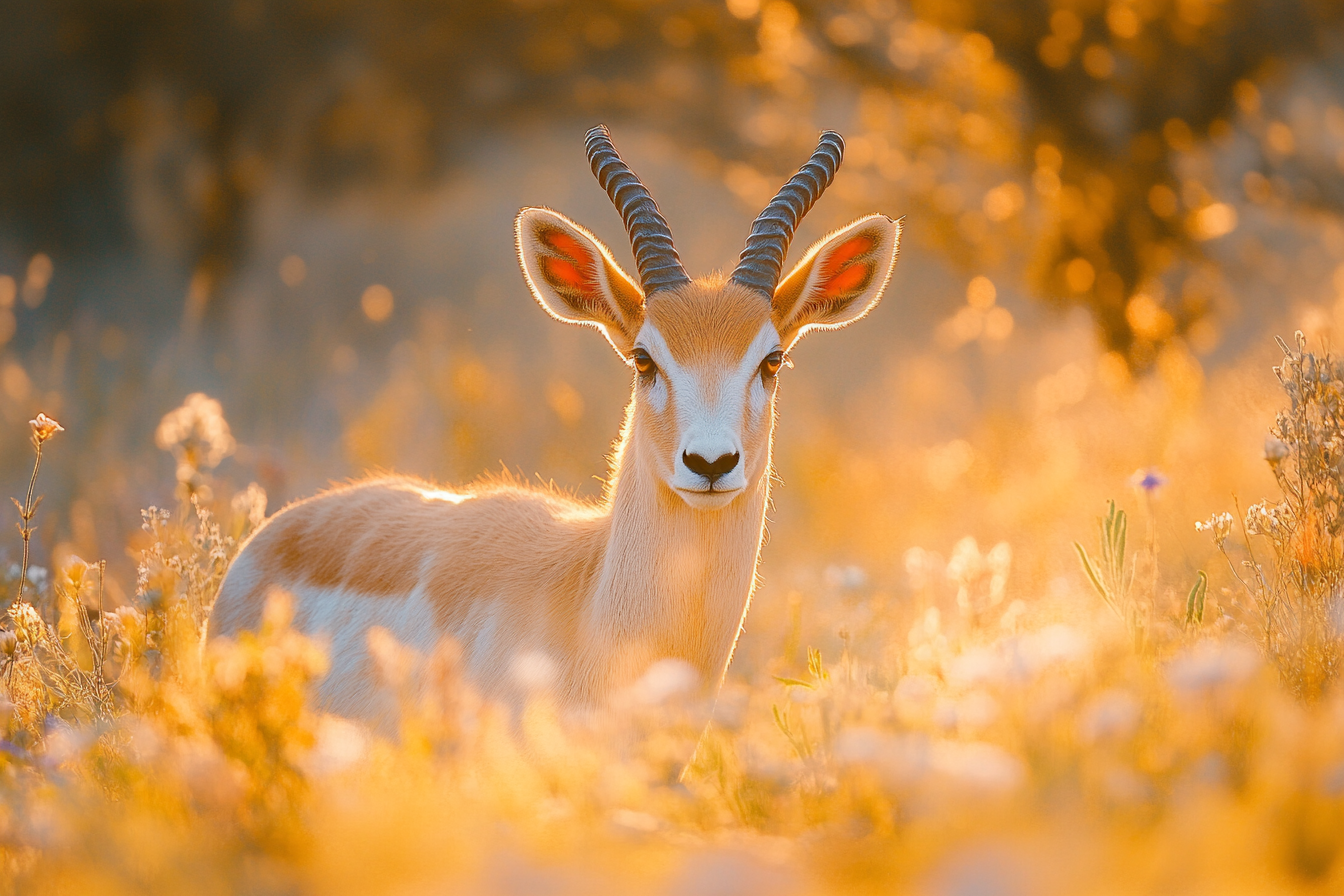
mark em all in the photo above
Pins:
pixel 1295 579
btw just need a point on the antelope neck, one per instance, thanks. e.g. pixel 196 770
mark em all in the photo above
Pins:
pixel 675 581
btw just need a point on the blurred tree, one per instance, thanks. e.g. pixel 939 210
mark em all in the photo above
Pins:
pixel 152 125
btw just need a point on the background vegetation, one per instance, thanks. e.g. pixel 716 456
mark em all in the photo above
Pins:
pixel 249 248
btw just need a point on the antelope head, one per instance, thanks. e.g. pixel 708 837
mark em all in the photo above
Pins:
pixel 706 352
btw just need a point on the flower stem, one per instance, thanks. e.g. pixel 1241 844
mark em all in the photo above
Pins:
pixel 26 513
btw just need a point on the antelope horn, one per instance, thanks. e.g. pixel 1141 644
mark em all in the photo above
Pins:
pixel 650 237
pixel 763 259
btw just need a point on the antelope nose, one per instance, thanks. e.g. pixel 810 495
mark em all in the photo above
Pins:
pixel 724 463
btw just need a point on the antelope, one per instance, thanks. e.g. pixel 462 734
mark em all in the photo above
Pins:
pixel 663 566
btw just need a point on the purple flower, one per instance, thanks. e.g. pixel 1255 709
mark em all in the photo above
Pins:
pixel 1150 480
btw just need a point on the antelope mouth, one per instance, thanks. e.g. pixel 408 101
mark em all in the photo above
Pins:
pixel 708 498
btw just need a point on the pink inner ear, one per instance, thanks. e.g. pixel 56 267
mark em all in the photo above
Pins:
pixel 852 279
pixel 845 270
pixel 572 268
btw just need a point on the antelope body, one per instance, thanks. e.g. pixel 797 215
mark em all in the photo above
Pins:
pixel 664 565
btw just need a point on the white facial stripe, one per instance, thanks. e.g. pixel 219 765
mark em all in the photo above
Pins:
pixel 652 342
pixel 657 394
pixel 731 387
pixel 766 341
pixel 698 392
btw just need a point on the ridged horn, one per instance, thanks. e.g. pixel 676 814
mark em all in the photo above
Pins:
pixel 650 237
pixel 762 261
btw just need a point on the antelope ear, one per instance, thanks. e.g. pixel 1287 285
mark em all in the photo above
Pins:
pixel 839 280
pixel 575 278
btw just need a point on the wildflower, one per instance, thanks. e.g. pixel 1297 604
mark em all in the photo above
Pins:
pixel 923 567
pixel 1112 715
pixel 74 573
pixel 978 765
pixel 1149 480
pixel 976 666
pixel 392 661
pixel 977 711
pixel 1211 665
pixel 1220 524
pixel 44 428
pixel 338 744
pixel 899 759
pixel 664 681
pixel 250 505
pixel 1275 451
pixel 128 624
pixel 629 819
pixel 1264 519
pixel 197 435
pixel 1052 645
pixel 845 577
pixel 28 624
pixel 981 579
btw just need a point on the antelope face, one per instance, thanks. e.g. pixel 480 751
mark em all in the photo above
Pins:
pixel 707 358
pixel 706 353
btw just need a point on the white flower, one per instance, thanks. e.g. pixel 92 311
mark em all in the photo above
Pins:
pixel 1275 450
pixel 44 428
pixel 250 504
pixel 981 766
pixel 664 680
pixel 1210 665
pixel 1220 524
pixel 1112 714
pixel 981 579
pixel 196 433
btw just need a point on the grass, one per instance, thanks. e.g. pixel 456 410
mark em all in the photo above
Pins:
pixel 971 744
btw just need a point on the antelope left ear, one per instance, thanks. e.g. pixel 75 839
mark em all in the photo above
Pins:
pixel 839 280
pixel 573 276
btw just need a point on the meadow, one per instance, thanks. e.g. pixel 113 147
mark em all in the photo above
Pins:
pixel 1130 726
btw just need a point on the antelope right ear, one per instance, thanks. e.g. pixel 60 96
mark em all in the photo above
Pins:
pixel 575 278
pixel 839 280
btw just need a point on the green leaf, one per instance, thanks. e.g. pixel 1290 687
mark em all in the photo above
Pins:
pixel 1091 571
pixel 1108 535
pixel 1194 604
pixel 795 682
pixel 1122 530
pixel 815 667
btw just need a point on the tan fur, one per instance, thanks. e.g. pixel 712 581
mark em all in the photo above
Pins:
pixel 601 589
pixel 733 313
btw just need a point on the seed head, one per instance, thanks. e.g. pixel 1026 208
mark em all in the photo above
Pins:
pixel 1275 451
pixel 1220 525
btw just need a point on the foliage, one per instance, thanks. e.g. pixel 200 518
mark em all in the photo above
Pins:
pixel 1296 610
pixel 197 110
pixel 1113 575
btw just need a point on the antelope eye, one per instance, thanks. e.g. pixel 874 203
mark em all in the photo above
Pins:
pixel 644 364
pixel 770 366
